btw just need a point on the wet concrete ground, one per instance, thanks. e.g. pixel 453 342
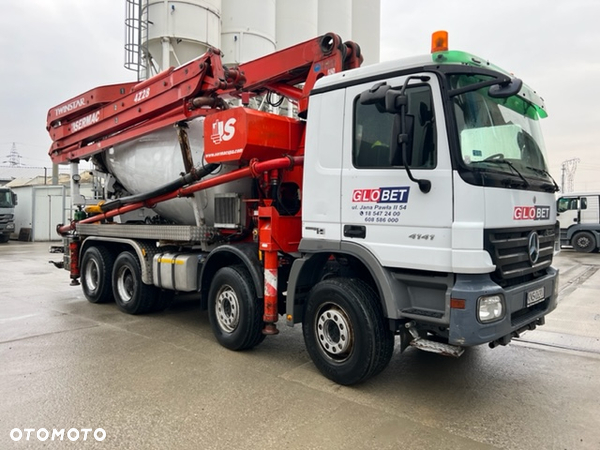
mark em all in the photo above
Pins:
pixel 161 381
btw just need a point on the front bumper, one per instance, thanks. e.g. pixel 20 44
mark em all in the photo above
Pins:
pixel 465 328
pixel 7 228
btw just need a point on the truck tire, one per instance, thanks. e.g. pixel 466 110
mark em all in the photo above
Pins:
pixel 96 272
pixel 345 332
pixel 234 311
pixel 584 241
pixel 131 294
pixel 4 238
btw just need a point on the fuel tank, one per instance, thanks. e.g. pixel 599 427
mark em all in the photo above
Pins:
pixel 155 159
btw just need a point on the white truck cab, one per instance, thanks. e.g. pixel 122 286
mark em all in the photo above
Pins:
pixel 431 172
pixel 579 217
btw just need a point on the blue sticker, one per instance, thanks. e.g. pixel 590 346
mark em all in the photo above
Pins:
pixel 477 153
pixel 317 67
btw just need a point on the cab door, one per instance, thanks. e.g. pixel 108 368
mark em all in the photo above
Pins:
pixel 568 211
pixel 382 210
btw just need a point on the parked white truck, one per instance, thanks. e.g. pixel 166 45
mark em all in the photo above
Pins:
pixel 8 201
pixel 579 218
pixel 409 198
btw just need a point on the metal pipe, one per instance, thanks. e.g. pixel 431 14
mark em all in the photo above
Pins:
pixel 184 180
pixel 76 198
pixel 54 174
pixel 254 169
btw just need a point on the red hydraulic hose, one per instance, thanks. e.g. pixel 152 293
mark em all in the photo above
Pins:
pixel 254 169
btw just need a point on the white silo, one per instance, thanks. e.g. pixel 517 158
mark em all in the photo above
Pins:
pixel 296 24
pixel 335 16
pixel 356 20
pixel 366 28
pixel 247 29
pixel 165 33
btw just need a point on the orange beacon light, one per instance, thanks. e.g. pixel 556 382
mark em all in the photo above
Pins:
pixel 439 41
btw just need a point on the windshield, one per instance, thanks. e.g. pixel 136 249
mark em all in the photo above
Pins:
pixel 6 199
pixel 500 137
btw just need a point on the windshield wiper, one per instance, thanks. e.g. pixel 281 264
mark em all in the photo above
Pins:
pixel 546 173
pixel 499 159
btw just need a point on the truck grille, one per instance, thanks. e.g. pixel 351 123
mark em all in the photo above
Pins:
pixel 509 249
pixel 5 218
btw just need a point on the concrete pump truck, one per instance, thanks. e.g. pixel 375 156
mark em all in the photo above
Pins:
pixel 408 199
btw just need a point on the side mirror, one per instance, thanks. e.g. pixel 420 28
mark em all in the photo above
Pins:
pixel 384 98
pixel 505 90
pixel 394 101
pixel 14 197
pixel 375 96
pixel 402 135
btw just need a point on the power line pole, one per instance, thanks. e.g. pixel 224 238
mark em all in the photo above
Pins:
pixel 567 169
pixel 14 159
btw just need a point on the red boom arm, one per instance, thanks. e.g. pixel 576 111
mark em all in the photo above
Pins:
pixel 107 115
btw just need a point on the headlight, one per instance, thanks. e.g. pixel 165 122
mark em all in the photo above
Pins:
pixel 490 308
pixel 10 226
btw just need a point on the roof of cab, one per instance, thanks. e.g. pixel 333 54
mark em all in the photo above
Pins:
pixel 373 70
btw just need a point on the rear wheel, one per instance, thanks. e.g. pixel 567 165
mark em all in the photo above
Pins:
pixel 131 294
pixel 234 311
pixel 345 332
pixel 584 241
pixel 96 271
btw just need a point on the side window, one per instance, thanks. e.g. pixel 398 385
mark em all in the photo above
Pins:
pixel 566 204
pixel 373 133
pixel 562 204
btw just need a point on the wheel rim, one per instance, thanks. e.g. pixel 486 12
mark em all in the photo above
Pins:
pixel 334 332
pixel 92 275
pixel 583 241
pixel 227 309
pixel 125 285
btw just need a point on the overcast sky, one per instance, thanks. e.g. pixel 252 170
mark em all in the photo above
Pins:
pixel 52 50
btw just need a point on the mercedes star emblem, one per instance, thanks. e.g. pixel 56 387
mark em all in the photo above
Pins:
pixel 533 248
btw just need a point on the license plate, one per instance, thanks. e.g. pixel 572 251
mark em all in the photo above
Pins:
pixel 535 296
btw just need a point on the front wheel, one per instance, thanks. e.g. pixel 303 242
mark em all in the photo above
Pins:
pixel 131 294
pixel 234 311
pixel 584 241
pixel 345 332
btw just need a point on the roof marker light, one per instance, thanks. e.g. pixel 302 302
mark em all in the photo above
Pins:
pixel 439 41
